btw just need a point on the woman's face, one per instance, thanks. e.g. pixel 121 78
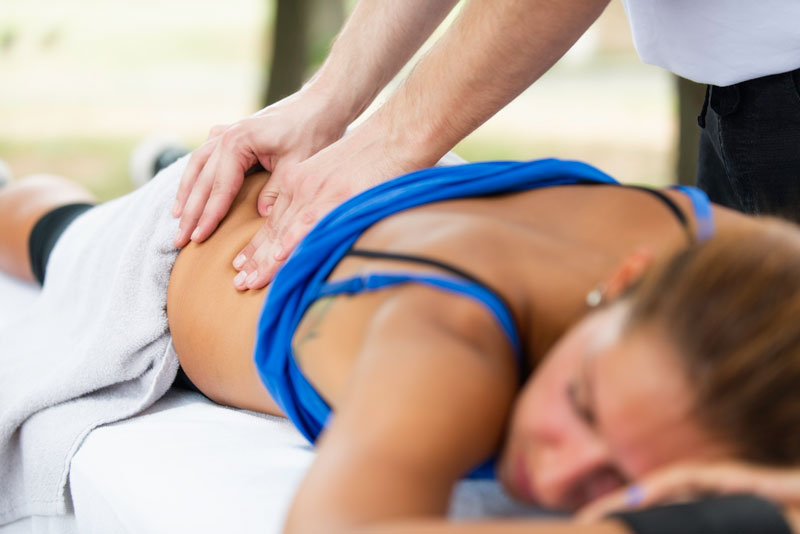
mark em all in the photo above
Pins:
pixel 602 409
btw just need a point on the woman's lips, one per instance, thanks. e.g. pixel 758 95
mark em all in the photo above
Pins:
pixel 593 487
pixel 522 481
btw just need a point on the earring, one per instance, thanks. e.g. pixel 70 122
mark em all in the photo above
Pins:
pixel 596 296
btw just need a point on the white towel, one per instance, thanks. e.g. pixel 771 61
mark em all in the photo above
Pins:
pixel 94 347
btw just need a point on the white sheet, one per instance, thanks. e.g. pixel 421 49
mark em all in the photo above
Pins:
pixel 217 470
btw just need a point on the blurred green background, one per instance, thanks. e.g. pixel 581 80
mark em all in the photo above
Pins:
pixel 83 81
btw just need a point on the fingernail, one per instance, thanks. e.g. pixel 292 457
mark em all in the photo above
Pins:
pixel 240 278
pixel 195 234
pixel 176 210
pixel 634 495
pixel 278 254
pixel 252 278
pixel 268 211
pixel 239 261
pixel 177 238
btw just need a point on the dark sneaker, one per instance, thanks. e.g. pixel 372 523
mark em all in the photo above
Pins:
pixel 153 154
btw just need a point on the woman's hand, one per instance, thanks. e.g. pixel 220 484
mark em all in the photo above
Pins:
pixel 278 136
pixel 682 482
pixel 301 194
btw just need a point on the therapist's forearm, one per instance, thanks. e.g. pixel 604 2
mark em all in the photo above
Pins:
pixel 491 53
pixel 378 39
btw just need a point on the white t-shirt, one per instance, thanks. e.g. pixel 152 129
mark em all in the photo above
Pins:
pixel 721 42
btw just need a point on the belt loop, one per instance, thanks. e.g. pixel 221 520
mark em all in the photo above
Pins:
pixel 701 119
pixel 725 100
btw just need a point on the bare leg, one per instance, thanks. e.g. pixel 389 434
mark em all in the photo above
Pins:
pixel 22 204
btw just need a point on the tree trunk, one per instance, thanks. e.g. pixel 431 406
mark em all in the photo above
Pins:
pixel 301 38
pixel 327 18
pixel 690 102
pixel 289 52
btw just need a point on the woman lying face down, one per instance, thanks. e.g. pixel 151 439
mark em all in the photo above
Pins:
pixel 422 381
pixel 421 337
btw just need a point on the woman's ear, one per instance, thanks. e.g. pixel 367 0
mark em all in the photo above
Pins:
pixel 628 273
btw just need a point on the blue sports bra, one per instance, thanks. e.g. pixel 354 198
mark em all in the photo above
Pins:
pixel 303 279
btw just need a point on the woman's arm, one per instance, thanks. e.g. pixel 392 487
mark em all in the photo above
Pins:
pixel 737 508
pixel 427 401
pixel 497 527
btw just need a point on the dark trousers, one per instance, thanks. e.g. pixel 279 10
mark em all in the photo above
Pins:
pixel 750 146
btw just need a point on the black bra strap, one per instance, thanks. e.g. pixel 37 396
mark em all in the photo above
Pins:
pixel 676 210
pixel 378 254
pixel 673 207
pixel 416 259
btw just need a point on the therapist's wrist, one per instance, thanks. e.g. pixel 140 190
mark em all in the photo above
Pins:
pixel 412 145
pixel 342 101
pixel 321 109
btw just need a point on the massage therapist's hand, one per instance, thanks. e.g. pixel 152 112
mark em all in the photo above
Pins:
pixel 681 482
pixel 363 59
pixel 301 194
pixel 277 137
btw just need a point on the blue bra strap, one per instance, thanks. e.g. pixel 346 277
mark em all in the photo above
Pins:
pixel 476 292
pixel 702 211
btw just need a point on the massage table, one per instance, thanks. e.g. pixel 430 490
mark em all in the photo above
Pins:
pixel 189 465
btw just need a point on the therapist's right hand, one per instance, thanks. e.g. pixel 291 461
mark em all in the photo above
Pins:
pixel 281 134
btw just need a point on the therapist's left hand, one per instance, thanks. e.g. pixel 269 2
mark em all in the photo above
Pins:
pixel 688 481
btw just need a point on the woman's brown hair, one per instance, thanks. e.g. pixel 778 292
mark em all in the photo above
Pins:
pixel 731 306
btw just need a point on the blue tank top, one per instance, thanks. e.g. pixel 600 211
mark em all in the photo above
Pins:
pixel 303 279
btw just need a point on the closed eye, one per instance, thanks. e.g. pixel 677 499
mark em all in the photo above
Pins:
pixel 579 404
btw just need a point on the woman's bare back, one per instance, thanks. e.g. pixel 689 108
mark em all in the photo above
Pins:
pixel 212 324
pixel 542 250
